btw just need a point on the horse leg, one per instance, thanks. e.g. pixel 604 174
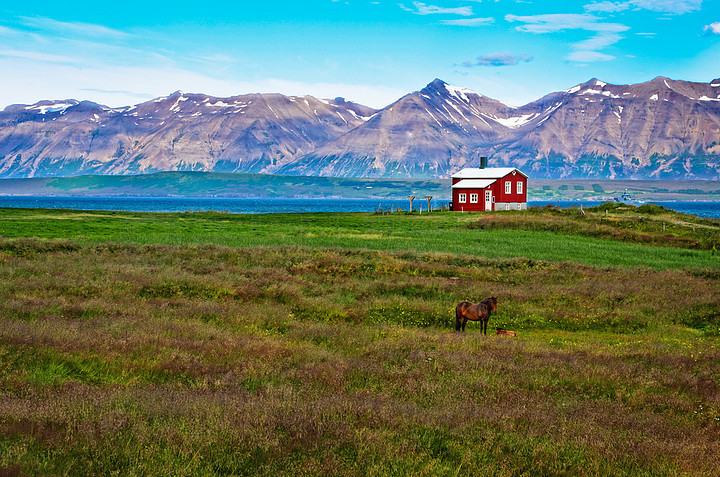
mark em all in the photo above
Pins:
pixel 464 322
pixel 457 320
pixel 484 326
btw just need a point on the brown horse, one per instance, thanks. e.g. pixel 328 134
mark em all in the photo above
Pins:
pixel 475 312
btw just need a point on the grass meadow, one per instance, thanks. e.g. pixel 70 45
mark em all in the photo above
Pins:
pixel 221 344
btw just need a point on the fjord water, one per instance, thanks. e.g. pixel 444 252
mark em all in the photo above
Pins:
pixel 285 205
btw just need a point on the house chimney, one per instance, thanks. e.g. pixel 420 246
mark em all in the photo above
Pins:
pixel 483 162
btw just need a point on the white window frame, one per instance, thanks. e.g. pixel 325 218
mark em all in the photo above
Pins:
pixel 462 197
pixel 473 198
pixel 519 187
pixel 508 187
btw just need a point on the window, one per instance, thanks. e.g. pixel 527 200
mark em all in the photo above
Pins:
pixel 473 198
pixel 508 187
pixel 507 206
pixel 519 206
pixel 461 198
pixel 519 187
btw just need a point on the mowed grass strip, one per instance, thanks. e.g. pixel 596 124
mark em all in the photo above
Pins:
pixel 440 232
pixel 200 359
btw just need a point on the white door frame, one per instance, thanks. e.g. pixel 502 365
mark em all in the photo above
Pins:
pixel 488 200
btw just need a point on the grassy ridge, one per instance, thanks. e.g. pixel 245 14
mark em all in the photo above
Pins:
pixel 212 344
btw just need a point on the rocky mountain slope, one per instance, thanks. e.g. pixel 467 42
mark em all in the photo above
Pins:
pixel 659 129
pixel 247 133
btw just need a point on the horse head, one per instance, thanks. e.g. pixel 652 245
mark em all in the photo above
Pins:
pixel 492 301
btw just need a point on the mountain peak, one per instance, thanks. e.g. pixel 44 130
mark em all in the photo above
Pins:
pixel 441 87
pixel 591 83
pixel 660 80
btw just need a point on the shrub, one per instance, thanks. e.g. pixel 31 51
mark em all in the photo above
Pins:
pixel 652 209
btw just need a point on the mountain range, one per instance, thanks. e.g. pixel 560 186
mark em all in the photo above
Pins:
pixel 664 129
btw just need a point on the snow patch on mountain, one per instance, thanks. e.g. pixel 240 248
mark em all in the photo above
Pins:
pixel 50 108
pixel 460 93
pixel 514 122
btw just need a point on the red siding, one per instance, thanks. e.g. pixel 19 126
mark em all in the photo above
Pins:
pixel 513 196
pixel 498 192
pixel 467 206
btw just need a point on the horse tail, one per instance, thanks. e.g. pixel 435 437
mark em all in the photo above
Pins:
pixel 457 318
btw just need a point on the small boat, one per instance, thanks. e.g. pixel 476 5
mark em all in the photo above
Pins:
pixel 627 198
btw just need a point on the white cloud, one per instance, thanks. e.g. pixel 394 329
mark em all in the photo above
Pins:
pixel 668 6
pixel 469 21
pixel 588 56
pixel 75 28
pixel 35 56
pixel 713 28
pixel 678 7
pixel 607 7
pixel 109 85
pixel 606 34
pixel 498 59
pixel 564 21
pixel 423 9
pixel 598 42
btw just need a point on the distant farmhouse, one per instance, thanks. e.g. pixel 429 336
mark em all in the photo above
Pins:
pixel 489 188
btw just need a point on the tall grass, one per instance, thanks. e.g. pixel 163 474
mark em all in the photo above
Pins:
pixel 199 359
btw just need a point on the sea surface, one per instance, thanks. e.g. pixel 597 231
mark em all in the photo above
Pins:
pixel 269 206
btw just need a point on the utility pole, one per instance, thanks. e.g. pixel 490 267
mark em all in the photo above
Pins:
pixel 411 198
pixel 428 198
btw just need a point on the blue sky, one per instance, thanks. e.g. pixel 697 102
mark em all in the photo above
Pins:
pixel 369 51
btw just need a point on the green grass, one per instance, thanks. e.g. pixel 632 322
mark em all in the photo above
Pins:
pixel 216 344
pixel 443 232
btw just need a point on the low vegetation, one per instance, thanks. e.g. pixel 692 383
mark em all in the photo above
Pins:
pixel 647 224
pixel 213 344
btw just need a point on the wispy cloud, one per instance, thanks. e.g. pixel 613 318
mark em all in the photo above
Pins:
pixel 564 21
pixel 606 34
pixel 713 28
pixel 469 21
pixel 75 28
pixel 124 85
pixel 677 7
pixel 669 6
pixel 35 56
pixel 598 42
pixel 608 7
pixel 424 9
pixel 588 56
pixel 498 59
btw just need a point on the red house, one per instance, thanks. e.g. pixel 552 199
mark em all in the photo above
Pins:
pixel 486 189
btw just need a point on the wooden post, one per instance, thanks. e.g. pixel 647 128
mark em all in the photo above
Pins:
pixel 411 198
pixel 428 198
